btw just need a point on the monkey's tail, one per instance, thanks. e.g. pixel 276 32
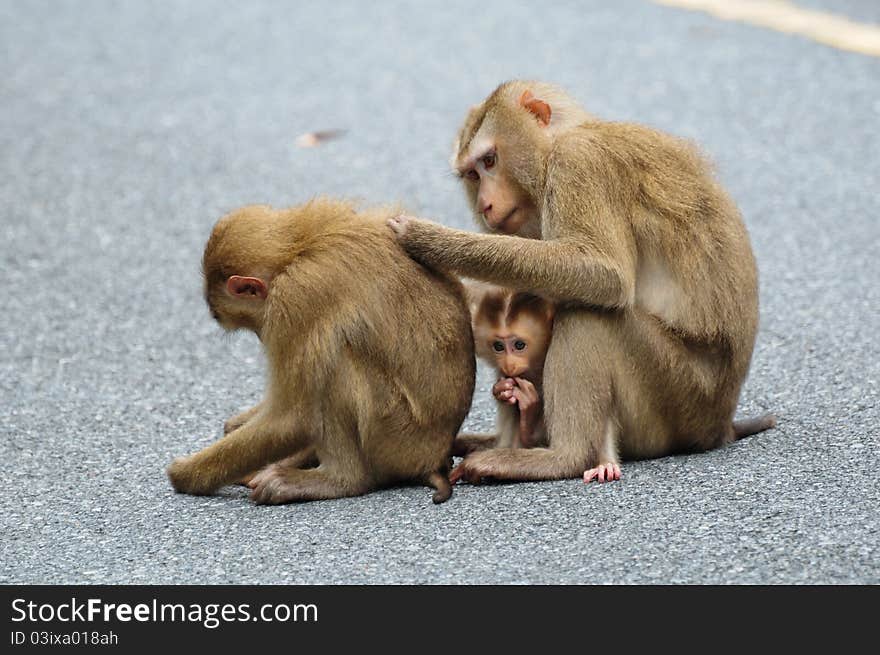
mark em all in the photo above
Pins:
pixel 441 484
pixel 750 426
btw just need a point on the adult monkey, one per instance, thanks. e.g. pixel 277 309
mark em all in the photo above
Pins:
pixel 648 259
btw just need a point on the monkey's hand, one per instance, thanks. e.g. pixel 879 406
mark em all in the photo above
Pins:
pixel 411 232
pixel 529 402
pixel 526 396
pixel 399 225
pixel 185 478
pixel 603 473
pixel 503 390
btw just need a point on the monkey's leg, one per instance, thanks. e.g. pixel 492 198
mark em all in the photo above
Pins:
pixel 238 420
pixel 342 472
pixel 578 383
pixel 465 444
pixel 258 442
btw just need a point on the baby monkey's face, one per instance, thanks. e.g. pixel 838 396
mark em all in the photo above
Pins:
pixel 515 345
pixel 519 351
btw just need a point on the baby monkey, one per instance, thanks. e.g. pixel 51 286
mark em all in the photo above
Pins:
pixel 512 332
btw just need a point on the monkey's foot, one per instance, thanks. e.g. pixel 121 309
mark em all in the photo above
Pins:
pixel 272 490
pixel 471 469
pixel 602 473
pixel 263 477
pixel 278 484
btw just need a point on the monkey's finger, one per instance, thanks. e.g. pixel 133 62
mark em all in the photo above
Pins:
pixel 399 224
pixel 527 390
pixel 589 474
pixel 505 384
pixel 456 474
pixel 616 471
pixel 522 399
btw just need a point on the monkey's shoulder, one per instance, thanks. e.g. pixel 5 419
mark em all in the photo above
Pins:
pixel 629 146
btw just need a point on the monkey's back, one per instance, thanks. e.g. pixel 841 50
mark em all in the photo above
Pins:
pixel 404 362
pixel 677 216
pixel 693 263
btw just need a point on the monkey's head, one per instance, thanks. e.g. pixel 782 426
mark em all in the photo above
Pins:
pixel 501 149
pixel 246 250
pixel 512 330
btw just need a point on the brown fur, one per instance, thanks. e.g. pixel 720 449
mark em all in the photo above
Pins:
pixel 649 261
pixel 371 364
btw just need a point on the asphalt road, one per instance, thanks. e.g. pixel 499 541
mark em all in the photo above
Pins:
pixel 128 128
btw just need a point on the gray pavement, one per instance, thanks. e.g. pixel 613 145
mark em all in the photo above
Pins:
pixel 128 128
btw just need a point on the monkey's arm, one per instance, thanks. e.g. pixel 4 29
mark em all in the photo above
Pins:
pixel 260 441
pixel 564 270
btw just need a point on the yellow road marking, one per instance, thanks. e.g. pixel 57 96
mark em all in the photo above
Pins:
pixel 830 29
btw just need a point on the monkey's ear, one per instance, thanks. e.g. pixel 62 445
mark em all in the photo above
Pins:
pixel 246 287
pixel 539 109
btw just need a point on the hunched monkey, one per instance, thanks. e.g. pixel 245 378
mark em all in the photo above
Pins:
pixel 371 357
pixel 512 332
pixel 647 259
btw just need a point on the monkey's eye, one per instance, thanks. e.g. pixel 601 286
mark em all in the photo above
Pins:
pixel 519 344
pixel 498 346
pixel 472 175
pixel 489 160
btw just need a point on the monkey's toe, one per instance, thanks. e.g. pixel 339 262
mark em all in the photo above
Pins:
pixel 268 492
pixel 270 488
pixel 259 478
pixel 470 470
pixel 602 473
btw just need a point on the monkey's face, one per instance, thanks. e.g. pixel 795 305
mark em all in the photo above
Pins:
pixel 489 170
pixel 502 204
pixel 517 347
pixel 520 347
pixel 512 356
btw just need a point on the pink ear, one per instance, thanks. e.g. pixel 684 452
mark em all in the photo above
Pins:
pixel 540 109
pixel 246 287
